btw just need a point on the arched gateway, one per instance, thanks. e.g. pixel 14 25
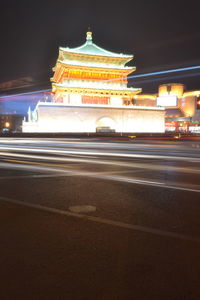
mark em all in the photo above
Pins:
pixel 105 124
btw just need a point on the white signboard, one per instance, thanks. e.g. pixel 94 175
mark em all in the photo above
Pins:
pixel 195 129
pixel 167 101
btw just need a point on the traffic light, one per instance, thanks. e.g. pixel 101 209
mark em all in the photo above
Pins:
pixel 198 102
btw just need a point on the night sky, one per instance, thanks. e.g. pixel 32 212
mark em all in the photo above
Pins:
pixel 162 35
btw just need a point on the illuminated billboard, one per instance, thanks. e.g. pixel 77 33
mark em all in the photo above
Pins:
pixel 167 101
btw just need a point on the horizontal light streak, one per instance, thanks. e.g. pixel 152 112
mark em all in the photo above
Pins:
pixel 103 162
pixel 96 153
pixel 165 72
pixel 25 93
pixel 163 79
pixel 102 176
pixel 78 142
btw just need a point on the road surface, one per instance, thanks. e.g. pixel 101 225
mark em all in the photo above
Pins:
pixel 96 219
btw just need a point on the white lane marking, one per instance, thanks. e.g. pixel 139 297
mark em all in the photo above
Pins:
pixel 33 176
pixel 100 175
pixel 105 221
pixel 111 154
pixel 71 173
pixel 147 182
pixel 33 168
pixel 82 208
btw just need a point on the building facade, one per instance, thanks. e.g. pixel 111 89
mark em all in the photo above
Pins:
pixel 90 94
pixel 182 108
pixel 10 123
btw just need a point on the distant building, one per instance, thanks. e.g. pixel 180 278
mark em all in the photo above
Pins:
pixel 182 108
pixel 10 123
pixel 91 95
pixel 16 98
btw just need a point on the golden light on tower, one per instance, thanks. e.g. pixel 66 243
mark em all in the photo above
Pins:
pixel 171 89
pixel 92 72
pixel 89 36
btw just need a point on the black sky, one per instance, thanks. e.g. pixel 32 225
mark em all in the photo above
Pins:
pixel 161 34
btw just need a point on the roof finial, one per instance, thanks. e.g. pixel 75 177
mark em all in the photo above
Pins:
pixel 89 36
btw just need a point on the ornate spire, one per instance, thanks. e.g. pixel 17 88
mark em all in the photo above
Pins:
pixel 89 36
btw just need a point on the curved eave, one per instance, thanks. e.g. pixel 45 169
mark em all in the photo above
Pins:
pixel 125 70
pixel 130 91
pixel 124 58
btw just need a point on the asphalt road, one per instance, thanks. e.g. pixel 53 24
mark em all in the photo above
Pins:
pixel 96 219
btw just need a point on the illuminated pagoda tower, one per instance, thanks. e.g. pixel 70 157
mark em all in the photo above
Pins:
pixel 90 94
pixel 92 75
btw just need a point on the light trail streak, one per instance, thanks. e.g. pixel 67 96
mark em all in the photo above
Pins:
pixel 95 153
pixel 77 142
pixel 104 176
pixel 167 78
pixel 25 93
pixel 102 162
pixel 165 72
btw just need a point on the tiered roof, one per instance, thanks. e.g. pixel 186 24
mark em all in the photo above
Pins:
pixel 93 59
pixel 90 48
